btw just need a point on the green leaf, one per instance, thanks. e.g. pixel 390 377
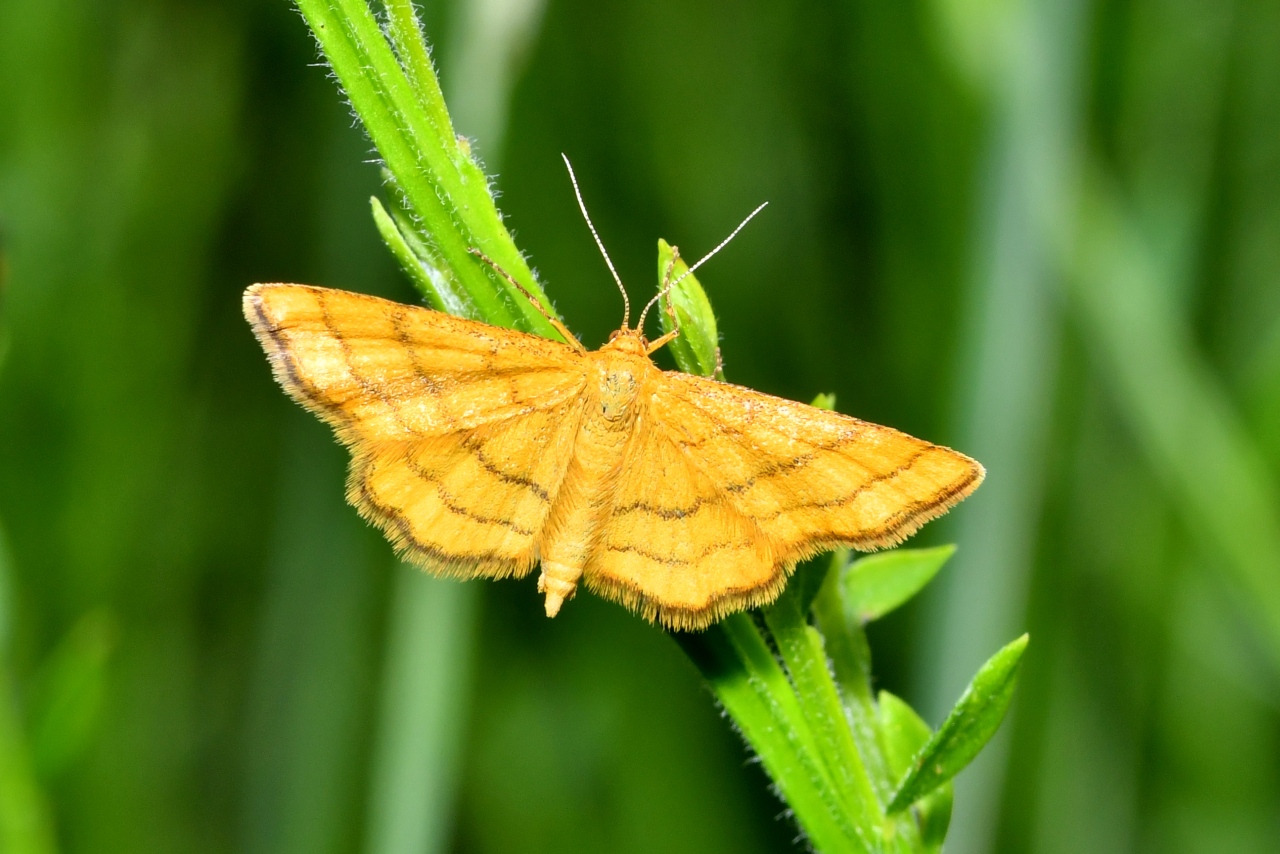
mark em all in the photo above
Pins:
pixel 903 733
pixel 698 344
pixel 879 583
pixel 425 276
pixel 826 401
pixel 933 813
pixel 968 727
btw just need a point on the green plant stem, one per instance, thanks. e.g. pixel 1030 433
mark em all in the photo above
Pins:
pixel 802 650
pixel 850 656
pixel 798 730
pixel 422 712
pixel 407 37
pixel 738 664
pixel 447 192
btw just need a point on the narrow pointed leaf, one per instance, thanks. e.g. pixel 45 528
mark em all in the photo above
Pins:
pixel 698 343
pixel 879 583
pixel 443 186
pixel 903 733
pixel 826 401
pixel 967 729
pixel 425 277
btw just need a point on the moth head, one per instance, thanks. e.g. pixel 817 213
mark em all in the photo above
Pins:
pixel 627 340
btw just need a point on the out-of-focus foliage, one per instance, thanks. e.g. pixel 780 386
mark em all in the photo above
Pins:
pixel 1048 233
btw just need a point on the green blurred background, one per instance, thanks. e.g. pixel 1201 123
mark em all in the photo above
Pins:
pixel 1044 231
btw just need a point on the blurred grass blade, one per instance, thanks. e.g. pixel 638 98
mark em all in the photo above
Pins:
pixel 68 692
pixel 423 712
pixel 307 695
pixel 25 822
pixel 25 826
pixel 1030 55
pixel 904 733
pixel 1182 416
pixel 879 583
pixel 967 729
pixel 698 344
pixel 485 53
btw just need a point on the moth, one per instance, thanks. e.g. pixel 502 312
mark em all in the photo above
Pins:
pixel 484 451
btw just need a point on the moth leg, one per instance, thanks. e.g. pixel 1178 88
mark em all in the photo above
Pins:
pixel 675 330
pixel 569 337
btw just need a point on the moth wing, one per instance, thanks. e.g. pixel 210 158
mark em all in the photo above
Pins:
pixel 472 502
pixel 460 432
pixel 379 370
pixel 674 548
pixel 810 479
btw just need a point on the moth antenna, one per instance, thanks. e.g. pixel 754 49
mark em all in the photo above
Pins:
pixel 722 244
pixel 626 302
pixel 662 291
pixel 569 337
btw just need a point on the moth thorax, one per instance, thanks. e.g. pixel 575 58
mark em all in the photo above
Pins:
pixel 618 387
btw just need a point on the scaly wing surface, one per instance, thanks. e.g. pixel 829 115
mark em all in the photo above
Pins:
pixel 809 477
pixel 674 547
pixel 460 432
